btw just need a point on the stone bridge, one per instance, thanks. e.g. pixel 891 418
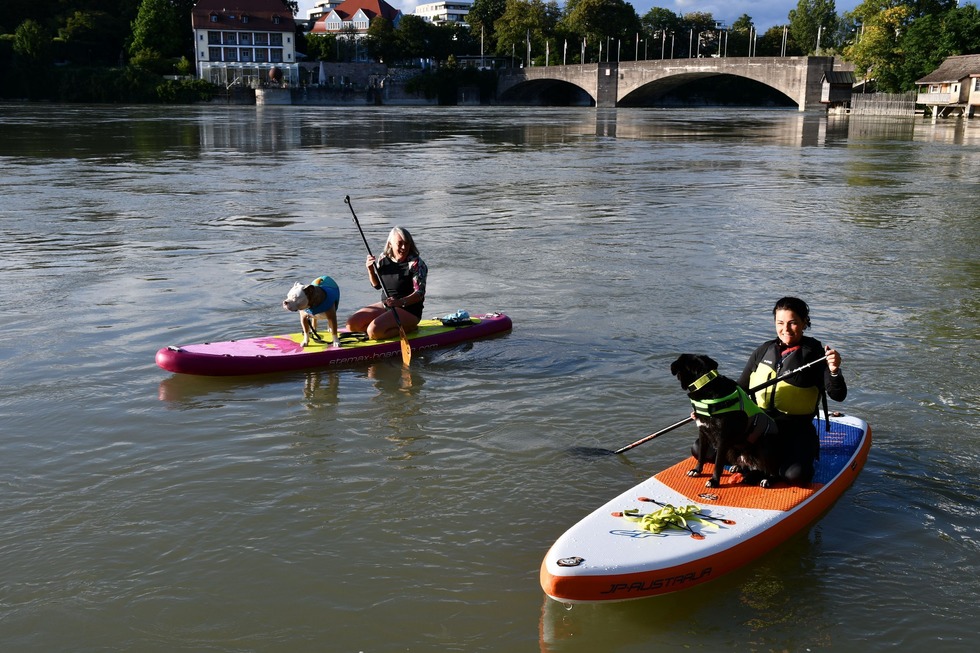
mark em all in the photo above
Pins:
pixel 610 84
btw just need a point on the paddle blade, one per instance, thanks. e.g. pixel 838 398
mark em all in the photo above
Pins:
pixel 406 349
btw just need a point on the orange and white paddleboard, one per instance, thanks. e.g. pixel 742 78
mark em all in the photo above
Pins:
pixel 671 532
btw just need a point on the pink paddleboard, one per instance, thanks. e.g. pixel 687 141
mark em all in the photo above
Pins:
pixel 283 353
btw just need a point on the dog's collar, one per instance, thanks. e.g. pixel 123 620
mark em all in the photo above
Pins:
pixel 703 381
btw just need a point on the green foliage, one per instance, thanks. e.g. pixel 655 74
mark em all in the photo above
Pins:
pixel 482 17
pixel 159 26
pixel 185 91
pixel 322 47
pixel 382 40
pixel 812 19
pixel 659 18
pixel 525 20
pixel 599 20
pixel 32 43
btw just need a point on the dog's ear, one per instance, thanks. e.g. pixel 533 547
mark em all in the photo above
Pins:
pixel 682 363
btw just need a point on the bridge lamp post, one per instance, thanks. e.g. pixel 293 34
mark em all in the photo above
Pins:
pixel 672 45
pixel 690 44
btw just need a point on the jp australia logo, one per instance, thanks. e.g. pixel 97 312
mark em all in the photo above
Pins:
pixel 653 585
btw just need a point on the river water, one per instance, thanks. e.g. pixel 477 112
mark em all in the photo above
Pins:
pixel 372 509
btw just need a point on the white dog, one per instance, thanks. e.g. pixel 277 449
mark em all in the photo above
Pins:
pixel 320 299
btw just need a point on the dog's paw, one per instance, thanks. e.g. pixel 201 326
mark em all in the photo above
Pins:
pixel 305 343
pixel 766 483
pixel 694 472
pixel 712 483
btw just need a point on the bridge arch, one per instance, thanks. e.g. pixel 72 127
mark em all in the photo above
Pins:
pixel 610 83
pixel 546 92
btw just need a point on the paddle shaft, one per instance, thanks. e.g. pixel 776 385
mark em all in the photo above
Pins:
pixel 684 421
pixel 406 349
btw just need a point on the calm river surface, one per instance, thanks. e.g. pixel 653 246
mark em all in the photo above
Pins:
pixel 363 509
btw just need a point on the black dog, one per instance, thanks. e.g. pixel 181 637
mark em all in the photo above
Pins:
pixel 730 425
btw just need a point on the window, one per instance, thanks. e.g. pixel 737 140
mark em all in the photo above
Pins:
pixel 214 18
pixel 245 54
pixel 231 54
pixel 245 38
pixel 244 18
pixel 214 38
pixel 214 54
pixel 276 20
pixel 262 39
pixel 275 55
pixel 275 39
pixel 230 38
pixel 261 55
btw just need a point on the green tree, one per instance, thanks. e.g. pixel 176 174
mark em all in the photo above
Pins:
pixel 877 53
pixel 321 47
pixel 382 40
pixel 770 44
pixel 739 34
pixel 159 26
pixel 413 36
pixel 525 21
pixel 606 22
pixel 32 43
pixel 659 18
pixel 481 18
pixel 812 19
pixel 93 37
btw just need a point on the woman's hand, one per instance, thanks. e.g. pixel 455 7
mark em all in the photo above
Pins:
pixel 833 359
pixel 370 262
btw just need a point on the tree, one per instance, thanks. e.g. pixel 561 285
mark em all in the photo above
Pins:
pixel 321 47
pixel 32 43
pixel 159 27
pixel 382 40
pixel 413 36
pixel 876 55
pixel 93 37
pixel 603 21
pixel 659 18
pixel 481 18
pixel 738 36
pixel 813 19
pixel 525 21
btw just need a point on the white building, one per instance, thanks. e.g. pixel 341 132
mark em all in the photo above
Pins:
pixel 321 9
pixel 445 11
pixel 239 42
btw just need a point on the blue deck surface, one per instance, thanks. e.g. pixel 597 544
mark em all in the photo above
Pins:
pixel 836 448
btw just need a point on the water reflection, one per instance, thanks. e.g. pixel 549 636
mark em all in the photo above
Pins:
pixel 151 132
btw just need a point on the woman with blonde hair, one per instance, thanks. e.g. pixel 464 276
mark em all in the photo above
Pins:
pixel 400 274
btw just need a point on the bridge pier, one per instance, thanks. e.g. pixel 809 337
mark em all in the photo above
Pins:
pixel 607 85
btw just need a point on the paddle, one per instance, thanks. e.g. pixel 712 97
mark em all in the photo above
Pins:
pixel 684 421
pixel 406 349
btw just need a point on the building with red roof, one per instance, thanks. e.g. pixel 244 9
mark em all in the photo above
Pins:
pixel 239 42
pixel 354 17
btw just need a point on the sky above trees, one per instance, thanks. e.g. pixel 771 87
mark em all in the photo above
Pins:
pixel 764 13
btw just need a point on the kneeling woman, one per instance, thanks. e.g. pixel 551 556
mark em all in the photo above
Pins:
pixel 400 274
